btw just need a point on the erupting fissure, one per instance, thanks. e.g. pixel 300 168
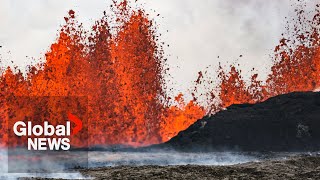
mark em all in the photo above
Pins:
pixel 122 75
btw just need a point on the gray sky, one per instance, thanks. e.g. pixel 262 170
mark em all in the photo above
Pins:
pixel 199 30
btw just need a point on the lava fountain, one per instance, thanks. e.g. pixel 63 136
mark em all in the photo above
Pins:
pixel 122 76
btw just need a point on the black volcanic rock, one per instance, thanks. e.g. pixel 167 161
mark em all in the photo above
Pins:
pixel 289 122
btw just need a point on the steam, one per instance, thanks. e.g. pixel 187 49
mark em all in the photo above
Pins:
pixel 198 31
pixel 12 176
pixel 107 158
pixel 163 158
pixel 159 158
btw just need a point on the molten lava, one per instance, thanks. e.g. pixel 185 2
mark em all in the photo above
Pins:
pixel 122 76
pixel 296 67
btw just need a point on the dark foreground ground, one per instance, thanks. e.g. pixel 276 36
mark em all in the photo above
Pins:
pixel 301 167
pixel 284 123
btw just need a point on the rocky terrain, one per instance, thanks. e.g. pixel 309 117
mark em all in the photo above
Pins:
pixel 289 122
pixel 285 123
pixel 302 167
pixel 293 168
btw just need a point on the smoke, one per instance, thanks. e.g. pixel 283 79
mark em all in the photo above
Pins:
pixel 108 158
pixel 4 170
pixel 198 31
pixel 163 158
pixel 159 158
pixel 201 31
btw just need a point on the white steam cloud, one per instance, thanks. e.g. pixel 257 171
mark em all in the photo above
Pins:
pixel 198 31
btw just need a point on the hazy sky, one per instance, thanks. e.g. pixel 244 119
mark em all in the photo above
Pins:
pixel 198 30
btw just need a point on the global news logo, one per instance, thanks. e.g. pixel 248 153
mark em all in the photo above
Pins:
pixel 42 137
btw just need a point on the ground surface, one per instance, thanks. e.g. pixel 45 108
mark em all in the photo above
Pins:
pixel 283 123
pixel 302 167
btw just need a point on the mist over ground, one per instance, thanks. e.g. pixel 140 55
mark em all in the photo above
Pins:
pixel 5 172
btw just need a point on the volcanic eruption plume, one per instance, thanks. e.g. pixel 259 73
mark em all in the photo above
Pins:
pixel 122 75
pixel 121 71
pixel 296 66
